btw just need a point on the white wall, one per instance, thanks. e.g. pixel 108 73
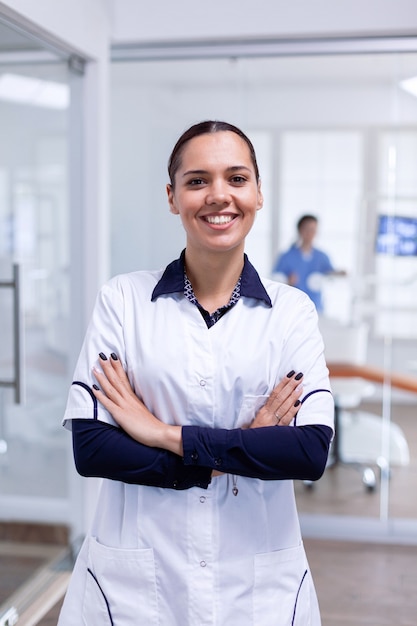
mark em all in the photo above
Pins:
pixel 184 19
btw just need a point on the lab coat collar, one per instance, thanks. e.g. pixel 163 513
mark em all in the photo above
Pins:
pixel 172 281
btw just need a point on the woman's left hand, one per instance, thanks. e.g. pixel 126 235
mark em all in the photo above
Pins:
pixel 117 396
pixel 283 403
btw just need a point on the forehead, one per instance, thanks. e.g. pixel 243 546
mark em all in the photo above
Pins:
pixel 308 225
pixel 223 147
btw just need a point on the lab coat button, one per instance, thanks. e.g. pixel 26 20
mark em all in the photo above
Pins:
pixel 202 499
pixel 202 383
pixel 203 563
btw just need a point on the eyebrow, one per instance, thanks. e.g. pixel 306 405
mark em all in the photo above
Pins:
pixel 232 168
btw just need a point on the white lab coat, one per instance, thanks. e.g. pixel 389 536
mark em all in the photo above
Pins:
pixel 198 557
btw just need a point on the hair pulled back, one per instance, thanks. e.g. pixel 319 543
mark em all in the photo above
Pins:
pixel 205 128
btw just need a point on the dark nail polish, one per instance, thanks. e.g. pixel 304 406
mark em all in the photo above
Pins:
pixel 96 388
pixel 114 356
pixel 297 403
pixel 290 374
pixel 299 376
pixel 102 356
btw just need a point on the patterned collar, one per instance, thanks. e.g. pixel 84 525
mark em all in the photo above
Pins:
pixel 211 318
pixel 173 281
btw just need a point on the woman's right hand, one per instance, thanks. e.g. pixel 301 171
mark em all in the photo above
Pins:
pixel 283 404
pixel 117 396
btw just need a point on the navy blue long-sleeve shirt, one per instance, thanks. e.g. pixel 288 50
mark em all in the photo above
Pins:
pixel 269 453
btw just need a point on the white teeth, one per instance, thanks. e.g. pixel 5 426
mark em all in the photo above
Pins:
pixel 219 219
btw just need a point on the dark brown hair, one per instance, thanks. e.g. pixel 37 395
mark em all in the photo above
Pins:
pixel 205 128
pixel 304 219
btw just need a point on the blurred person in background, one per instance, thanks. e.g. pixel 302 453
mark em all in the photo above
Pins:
pixel 303 266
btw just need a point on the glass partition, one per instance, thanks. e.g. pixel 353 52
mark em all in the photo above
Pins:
pixel 37 494
pixel 34 238
pixel 336 137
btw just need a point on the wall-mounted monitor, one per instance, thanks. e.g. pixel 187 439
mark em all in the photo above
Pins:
pixel 397 235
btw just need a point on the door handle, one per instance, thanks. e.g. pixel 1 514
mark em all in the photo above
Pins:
pixel 17 382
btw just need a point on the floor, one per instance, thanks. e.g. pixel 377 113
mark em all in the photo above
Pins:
pixel 364 584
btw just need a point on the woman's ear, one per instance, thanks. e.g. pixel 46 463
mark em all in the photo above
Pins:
pixel 171 202
pixel 260 197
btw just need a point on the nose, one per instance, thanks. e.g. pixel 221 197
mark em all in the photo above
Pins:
pixel 218 194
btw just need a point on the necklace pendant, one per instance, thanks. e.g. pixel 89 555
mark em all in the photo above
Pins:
pixel 235 491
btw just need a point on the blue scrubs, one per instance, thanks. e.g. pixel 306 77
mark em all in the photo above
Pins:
pixel 304 265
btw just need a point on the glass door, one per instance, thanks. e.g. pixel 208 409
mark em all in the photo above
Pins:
pixel 41 203
pixel 37 490
pixel 34 246
pixel 34 238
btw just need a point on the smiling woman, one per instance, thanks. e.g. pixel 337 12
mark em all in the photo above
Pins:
pixel 215 189
pixel 186 429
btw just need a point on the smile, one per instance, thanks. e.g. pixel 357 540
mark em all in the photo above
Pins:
pixel 219 219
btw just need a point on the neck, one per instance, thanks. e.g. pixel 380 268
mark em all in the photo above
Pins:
pixel 213 275
pixel 306 246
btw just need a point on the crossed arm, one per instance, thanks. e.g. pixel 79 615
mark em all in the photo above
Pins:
pixel 147 451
